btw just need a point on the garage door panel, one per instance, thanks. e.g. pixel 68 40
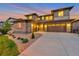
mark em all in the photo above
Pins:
pixel 56 29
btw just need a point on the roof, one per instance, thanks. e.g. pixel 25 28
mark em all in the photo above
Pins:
pixel 18 20
pixel 46 15
pixel 31 14
pixel 75 20
pixel 62 9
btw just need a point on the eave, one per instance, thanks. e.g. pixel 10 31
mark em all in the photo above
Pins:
pixel 57 21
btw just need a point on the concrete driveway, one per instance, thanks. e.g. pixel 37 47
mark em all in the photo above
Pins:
pixel 54 44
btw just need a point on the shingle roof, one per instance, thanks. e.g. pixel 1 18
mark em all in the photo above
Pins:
pixel 62 9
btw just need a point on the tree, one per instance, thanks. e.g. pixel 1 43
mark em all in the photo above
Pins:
pixel 6 26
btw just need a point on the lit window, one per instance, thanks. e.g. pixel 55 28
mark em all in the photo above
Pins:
pixel 60 13
pixel 30 17
pixel 68 27
pixel 42 18
pixel 50 17
pixel 47 18
pixel 38 19
pixel 19 25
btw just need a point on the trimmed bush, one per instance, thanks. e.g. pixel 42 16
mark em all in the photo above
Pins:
pixel 24 40
pixel 6 26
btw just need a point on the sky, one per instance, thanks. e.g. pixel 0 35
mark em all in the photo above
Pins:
pixel 18 10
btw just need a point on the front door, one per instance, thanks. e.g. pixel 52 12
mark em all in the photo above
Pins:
pixel 40 27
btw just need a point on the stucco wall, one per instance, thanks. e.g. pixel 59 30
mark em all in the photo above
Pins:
pixel 65 17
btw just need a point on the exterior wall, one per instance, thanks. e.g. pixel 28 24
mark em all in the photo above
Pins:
pixel 25 28
pixel 75 25
pixel 35 17
pixel 66 15
pixel 28 27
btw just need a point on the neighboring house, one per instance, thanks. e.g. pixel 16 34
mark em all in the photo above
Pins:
pixel 57 21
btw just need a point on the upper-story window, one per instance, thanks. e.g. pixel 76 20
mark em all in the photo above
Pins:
pixel 61 13
pixel 30 17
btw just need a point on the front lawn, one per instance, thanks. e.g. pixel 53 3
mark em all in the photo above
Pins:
pixel 7 47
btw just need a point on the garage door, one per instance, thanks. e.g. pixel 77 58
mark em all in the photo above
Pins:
pixel 56 29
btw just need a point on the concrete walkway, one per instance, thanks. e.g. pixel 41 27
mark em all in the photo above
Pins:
pixel 54 44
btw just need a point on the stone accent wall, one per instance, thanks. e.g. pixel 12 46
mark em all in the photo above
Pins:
pixel 26 28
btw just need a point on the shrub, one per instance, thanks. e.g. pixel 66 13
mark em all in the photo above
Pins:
pixel 19 38
pixel 33 35
pixel 6 26
pixel 24 40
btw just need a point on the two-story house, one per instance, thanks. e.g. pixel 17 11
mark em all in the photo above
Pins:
pixel 57 21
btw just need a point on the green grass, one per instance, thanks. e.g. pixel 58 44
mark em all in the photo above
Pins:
pixel 7 47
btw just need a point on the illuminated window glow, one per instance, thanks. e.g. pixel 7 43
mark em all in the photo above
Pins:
pixel 19 25
pixel 30 17
pixel 60 13
pixel 50 17
pixel 68 27
pixel 42 18
pixel 47 18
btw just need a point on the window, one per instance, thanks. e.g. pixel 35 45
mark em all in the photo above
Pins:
pixel 68 27
pixel 30 17
pixel 19 25
pixel 60 13
pixel 50 17
pixel 37 18
pixel 42 18
pixel 47 18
